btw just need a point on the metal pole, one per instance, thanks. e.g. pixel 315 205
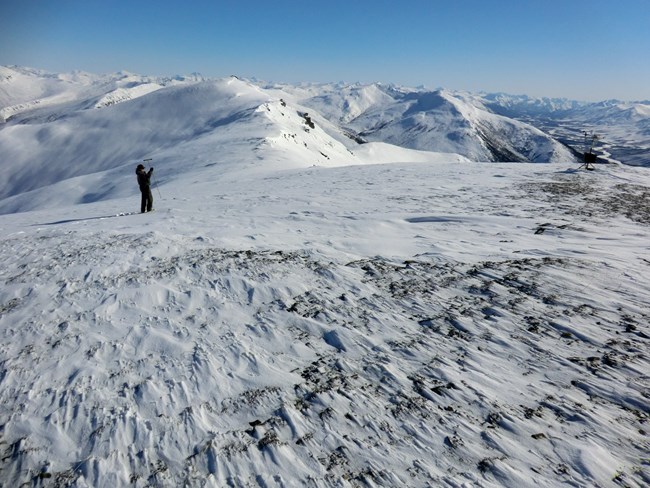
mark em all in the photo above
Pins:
pixel 155 184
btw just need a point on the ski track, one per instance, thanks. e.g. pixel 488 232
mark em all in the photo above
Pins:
pixel 287 354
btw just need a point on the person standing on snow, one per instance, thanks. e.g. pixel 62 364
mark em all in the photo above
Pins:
pixel 144 181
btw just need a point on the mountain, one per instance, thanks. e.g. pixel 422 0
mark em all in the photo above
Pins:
pixel 103 126
pixel 439 120
pixel 523 105
pixel 485 126
pixel 303 308
pixel 25 89
pixel 623 128
pixel 61 127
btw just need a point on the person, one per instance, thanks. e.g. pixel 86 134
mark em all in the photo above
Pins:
pixel 144 181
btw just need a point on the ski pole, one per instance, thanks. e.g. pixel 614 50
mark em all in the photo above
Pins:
pixel 155 184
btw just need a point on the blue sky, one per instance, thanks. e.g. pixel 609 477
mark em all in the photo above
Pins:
pixel 583 49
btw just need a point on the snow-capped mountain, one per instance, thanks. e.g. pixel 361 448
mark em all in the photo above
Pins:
pixel 59 127
pixel 297 314
pixel 102 126
pixel 623 128
pixel 439 120
pixel 467 122
pixel 26 89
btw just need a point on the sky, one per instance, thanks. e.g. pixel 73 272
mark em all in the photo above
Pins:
pixel 581 49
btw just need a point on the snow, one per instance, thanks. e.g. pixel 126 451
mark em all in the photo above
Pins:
pixel 622 127
pixel 295 314
pixel 442 121
pixel 123 94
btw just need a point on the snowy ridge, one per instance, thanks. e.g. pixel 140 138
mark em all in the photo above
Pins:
pixel 440 120
pixel 25 89
pixel 306 137
pixel 123 94
pixel 300 137
pixel 86 141
pixel 71 152
pixel 387 113
pixel 345 103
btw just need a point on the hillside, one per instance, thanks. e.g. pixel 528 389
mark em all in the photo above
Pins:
pixel 303 309
pixel 484 126
pixel 440 120
pixel 623 127
pixel 84 148
pixel 389 325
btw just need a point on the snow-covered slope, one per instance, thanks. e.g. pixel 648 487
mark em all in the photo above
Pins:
pixel 42 148
pixel 27 89
pixel 432 324
pixel 623 127
pixel 441 120
pixel 84 149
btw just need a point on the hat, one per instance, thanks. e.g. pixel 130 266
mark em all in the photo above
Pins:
pixel 140 166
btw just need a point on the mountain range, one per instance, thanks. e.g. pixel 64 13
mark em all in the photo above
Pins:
pixel 331 291
pixel 56 127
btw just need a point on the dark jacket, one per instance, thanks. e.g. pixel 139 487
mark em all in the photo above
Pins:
pixel 144 178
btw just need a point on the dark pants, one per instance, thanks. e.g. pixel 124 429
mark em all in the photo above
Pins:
pixel 147 199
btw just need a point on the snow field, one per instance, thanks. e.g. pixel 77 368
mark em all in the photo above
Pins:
pixel 447 324
pixel 295 314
